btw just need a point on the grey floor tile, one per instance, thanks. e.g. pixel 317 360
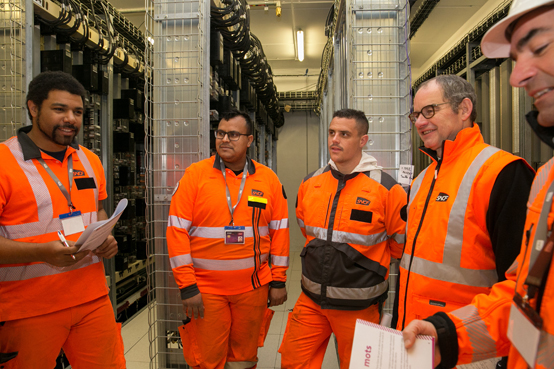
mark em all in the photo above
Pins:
pixel 266 354
pixel 139 352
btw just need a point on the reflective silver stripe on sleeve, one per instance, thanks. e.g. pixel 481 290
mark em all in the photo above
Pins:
pixel 545 354
pixel 25 272
pixel 399 238
pixel 347 237
pixel 342 293
pixel 300 222
pixel 484 346
pixel 33 229
pixel 280 260
pixel 86 164
pixel 175 221
pixel 180 260
pixel 450 269
pixel 226 265
pixel 279 224
pixel 219 232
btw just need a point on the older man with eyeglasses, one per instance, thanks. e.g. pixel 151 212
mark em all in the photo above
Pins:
pixel 466 210
pixel 228 216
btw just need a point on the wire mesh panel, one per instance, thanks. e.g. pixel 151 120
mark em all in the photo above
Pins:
pixel 380 77
pixel 380 85
pixel 12 67
pixel 177 135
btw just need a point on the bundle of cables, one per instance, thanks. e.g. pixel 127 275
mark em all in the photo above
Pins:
pixel 233 21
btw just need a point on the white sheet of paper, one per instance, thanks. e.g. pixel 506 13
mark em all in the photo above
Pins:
pixel 405 174
pixel 378 347
pixel 96 233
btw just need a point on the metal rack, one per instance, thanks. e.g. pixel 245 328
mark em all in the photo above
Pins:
pixel 177 135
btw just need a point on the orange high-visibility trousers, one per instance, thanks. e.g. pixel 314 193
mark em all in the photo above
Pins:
pixel 228 334
pixel 309 328
pixel 88 334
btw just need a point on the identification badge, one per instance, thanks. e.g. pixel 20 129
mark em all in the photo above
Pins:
pixel 523 334
pixel 72 223
pixel 234 235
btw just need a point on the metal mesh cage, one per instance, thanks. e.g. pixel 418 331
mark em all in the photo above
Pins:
pixel 177 131
pixel 12 67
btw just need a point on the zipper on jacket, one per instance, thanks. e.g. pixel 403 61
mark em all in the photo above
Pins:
pixel 327 214
pixel 435 175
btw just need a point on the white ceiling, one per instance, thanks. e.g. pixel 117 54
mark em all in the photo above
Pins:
pixel 439 32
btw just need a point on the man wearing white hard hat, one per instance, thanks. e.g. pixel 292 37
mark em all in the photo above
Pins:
pixel 517 317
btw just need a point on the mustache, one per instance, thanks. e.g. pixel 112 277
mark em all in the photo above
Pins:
pixel 337 146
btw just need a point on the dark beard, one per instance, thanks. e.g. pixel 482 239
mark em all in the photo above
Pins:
pixel 61 140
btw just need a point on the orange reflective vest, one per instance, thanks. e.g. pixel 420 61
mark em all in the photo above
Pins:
pixel 448 258
pixel 199 257
pixel 30 206
pixel 482 326
pixel 352 224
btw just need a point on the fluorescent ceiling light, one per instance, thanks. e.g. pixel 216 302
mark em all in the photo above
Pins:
pixel 300 45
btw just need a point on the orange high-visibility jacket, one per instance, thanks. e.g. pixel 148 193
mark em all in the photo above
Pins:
pixel 30 206
pixel 200 260
pixel 482 327
pixel 449 258
pixel 352 225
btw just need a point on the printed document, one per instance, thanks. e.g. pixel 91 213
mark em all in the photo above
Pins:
pixel 96 233
pixel 378 347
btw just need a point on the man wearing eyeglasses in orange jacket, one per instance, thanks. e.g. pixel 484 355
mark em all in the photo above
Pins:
pixel 515 319
pixel 466 210
pixel 228 222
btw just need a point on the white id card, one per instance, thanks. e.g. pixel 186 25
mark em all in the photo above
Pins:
pixel 524 335
pixel 72 223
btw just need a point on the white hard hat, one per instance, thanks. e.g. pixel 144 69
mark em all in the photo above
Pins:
pixel 495 44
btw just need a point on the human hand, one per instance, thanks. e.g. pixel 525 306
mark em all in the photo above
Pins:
pixel 108 249
pixel 277 296
pixel 194 307
pixel 55 253
pixel 417 327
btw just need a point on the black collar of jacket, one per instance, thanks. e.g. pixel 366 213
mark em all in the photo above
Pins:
pixel 546 134
pixel 251 166
pixel 29 148
pixel 338 175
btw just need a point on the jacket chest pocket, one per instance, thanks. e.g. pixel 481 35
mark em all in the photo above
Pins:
pixel 357 214
pixel 317 207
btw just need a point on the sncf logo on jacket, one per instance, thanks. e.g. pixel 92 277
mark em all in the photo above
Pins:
pixel 442 197
pixel 78 173
pixel 257 193
pixel 362 201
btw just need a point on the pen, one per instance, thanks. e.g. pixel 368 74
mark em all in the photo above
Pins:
pixel 62 238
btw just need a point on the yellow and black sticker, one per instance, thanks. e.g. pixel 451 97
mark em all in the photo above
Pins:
pixel 257 202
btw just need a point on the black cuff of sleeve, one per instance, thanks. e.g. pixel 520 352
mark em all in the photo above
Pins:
pixel 447 339
pixel 277 284
pixel 190 291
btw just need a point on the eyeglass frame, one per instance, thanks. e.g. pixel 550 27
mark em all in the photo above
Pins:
pixel 228 134
pixel 433 106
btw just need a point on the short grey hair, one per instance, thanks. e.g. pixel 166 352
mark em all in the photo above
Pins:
pixel 454 90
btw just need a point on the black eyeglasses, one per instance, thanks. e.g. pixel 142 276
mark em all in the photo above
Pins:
pixel 233 135
pixel 427 111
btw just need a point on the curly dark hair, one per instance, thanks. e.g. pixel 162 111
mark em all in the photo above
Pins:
pixel 42 84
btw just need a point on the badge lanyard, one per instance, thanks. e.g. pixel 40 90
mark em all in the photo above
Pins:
pixel 541 254
pixel 59 183
pixel 229 203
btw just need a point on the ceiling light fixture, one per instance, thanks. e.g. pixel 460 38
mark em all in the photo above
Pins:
pixel 300 45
